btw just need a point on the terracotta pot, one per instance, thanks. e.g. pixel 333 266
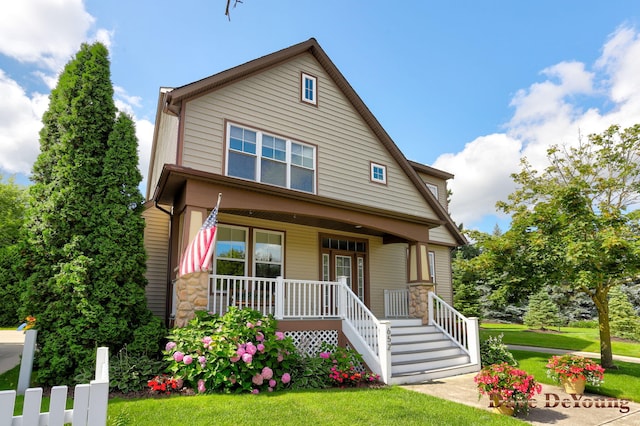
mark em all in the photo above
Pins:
pixel 501 407
pixel 573 387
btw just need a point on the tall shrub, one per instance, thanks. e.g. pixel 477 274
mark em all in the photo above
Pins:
pixel 85 264
pixel 541 311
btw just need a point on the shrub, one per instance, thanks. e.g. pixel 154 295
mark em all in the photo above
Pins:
pixel 541 311
pixel 622 317
pixel 493 351
pixel 345 366
pixel 238 352
pixel 585 324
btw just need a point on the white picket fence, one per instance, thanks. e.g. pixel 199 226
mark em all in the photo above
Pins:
pixel 89 402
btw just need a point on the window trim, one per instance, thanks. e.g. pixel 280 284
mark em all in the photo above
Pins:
pixel 432 266
pixel 247 243
pixel 372 175
pixel 304 77
pixel 258 158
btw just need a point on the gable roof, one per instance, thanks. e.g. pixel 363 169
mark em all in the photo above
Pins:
pixel 172 103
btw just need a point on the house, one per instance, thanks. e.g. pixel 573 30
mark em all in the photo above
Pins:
pixel 323 222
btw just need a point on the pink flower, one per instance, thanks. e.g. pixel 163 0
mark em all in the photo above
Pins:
pixel 177 356
pixel 272 383
pixel 259 337
pixel 201 387
pixel 260 347
pixel 249 325
pixel 270 389
pixel 279 335
pixel 267 373
pixel 235 358
pixel 202 360
pixel 241 351
pixel 169 346
pixel 286 378
pixel 280 357
pixel 255 391
pixel 257 379
pixel 251 348
pixel 325 355
pixel 247 358
pixel 259 323
pixel 188 359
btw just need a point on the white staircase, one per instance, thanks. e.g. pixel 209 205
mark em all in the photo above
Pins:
pixel 422 352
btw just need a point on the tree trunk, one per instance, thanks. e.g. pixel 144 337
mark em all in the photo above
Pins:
pixel 602 305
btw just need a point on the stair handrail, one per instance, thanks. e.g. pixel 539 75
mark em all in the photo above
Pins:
pixel 463 331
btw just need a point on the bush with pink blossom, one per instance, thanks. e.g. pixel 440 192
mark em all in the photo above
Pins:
pixel 238 352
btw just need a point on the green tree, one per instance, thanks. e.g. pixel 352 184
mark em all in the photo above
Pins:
pixel 624 321
pixel 85 265
pixel 571 222
pixel 12 209
pixel 541 311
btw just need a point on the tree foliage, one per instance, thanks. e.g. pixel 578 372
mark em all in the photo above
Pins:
pixel 625 323
pixel 571 224
pixel 86 261
pixel 541 311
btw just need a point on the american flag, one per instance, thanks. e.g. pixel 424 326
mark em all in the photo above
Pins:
pixel 198 255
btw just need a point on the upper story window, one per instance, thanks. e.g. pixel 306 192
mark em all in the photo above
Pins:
pixel 434 189
pixel 266 158
pixel 308 89
pixel 378 173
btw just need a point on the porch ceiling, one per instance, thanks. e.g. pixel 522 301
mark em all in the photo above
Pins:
pixel 180 187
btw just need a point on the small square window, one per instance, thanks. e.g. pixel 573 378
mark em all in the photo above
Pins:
pixel 433 188
pixel 378 173
pixel 308 89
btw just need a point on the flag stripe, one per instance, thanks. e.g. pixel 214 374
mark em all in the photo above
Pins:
pixel 198 255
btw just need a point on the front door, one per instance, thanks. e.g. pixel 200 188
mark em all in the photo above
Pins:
pixel 342 257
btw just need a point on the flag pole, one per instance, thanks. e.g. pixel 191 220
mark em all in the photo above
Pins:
pixel 219 199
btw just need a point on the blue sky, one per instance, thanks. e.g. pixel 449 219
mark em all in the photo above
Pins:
pixel 465 86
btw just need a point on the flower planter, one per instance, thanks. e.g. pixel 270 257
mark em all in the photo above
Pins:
pixel 575 387
pixel 501 407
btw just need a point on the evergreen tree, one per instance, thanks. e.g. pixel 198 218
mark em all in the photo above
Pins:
pixel 541 311
pixel 622 317
pixel 85 265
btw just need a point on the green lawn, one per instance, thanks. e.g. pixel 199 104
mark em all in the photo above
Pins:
pixel 574 339
pixel 387 406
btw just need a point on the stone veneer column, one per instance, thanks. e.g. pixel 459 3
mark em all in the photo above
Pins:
pixel 191 295
pixel 419 300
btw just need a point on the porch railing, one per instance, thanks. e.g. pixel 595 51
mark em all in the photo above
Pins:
pixel 396 303
pixel 302 299
pixel 463 331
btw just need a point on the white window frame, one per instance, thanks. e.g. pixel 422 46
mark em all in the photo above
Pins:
pixel 373 174
pixel 432 266
pixel 304 78
pixel 258 157
pixel 434 189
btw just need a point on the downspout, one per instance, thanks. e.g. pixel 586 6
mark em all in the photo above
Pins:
pixel 169 292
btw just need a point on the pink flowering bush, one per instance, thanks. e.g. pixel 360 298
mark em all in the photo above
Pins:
pixel 575 367
pixel 238 352
pixel 512 386
pixel 345 366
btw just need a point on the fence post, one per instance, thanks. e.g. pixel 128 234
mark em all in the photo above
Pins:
pixel 26 363
pixel 384 350
pixel 430 309
pixel 279 298
pixel 473 336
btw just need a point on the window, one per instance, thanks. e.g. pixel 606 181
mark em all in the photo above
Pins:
pixel 378 173
pixel 262 157
pixel 434 189
pixel 308 89
pixel 432 266
pixel 268 253
pixel 231 253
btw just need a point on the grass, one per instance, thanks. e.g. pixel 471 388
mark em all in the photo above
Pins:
pixel 570 338
pixel 391 405
pixel 621 383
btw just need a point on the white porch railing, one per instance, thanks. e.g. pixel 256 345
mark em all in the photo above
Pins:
pixel 89 402
pixel 303 299
pixel 462 331
pixel 396 303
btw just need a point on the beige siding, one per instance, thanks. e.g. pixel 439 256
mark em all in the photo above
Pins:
pixel 442 187
pixel 387 269
pixel 443 273
pixel 166 148
pixel 156 243
pixel 270 101
pixel 442 235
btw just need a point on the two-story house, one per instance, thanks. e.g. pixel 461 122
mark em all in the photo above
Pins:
pixel 323 221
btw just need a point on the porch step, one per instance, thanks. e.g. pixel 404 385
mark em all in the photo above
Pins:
pixel 421 352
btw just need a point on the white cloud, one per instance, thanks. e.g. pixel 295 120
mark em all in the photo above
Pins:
pixel 20 122
pixel 43 32
pixel 144 132
pixel 547 113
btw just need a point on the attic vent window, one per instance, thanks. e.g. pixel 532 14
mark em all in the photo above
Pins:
pixel 433 188
pixel 308 89
pixel 378 173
